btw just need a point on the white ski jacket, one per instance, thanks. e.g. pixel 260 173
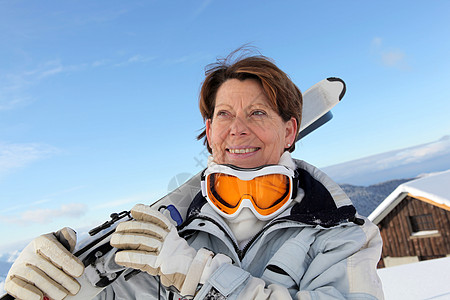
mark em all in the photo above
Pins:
pixel 318 249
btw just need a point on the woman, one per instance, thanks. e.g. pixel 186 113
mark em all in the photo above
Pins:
pixel 264 226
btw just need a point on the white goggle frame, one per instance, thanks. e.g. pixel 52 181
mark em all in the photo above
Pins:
pixel 248 174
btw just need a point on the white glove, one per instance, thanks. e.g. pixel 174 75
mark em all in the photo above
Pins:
pixel 151 243
pixel 46 267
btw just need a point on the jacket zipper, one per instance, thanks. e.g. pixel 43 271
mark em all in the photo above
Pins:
pixel 240 253
pixel 236 247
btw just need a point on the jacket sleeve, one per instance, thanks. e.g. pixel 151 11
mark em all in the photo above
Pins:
pixel 340 263
pixel 343 264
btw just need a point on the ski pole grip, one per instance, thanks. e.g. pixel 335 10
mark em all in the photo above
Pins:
pixel 175 214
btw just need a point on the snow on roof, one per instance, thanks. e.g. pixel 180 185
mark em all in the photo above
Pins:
pixel 422 280
pixel 434 189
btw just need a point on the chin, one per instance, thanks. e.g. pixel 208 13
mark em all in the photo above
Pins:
pixel 251 164
pixel 246 162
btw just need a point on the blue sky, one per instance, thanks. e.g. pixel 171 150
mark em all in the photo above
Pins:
pixel 98 99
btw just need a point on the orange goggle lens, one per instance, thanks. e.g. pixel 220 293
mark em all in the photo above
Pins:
pixel 267 192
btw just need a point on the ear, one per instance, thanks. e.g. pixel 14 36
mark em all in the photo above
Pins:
pixel 291 131
pixel 208 130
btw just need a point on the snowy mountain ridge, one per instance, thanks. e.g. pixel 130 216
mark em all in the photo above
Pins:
pixel 402 163
pixel 367 198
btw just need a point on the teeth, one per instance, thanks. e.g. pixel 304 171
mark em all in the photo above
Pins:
pixel 241 151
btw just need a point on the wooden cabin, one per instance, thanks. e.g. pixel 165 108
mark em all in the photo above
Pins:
pixel 414 221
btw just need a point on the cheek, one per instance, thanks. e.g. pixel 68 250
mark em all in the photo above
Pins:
pixel 216 142
pixel 274 137
pixel 217 134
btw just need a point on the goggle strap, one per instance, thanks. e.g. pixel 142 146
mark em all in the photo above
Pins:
pixel 203 186
pixel 294 185
pixel 243 173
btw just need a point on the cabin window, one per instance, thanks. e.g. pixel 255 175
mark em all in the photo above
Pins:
pixel 423 225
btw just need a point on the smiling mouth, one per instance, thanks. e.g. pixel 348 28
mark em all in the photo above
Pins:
pixel 243 150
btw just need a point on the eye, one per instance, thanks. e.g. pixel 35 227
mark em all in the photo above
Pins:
pixel 222 113
pixel 258 113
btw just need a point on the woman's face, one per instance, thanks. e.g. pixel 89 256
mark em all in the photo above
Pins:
pixel 244 130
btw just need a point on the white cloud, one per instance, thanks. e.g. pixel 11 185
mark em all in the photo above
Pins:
pixel 203 6
pixel 16 101
pixel 14 156
pixel 100 62
pixel 45 199
pixel 50 72
pixel 13 256
pixel 392 58
pixel 99 16
pixel 43 70
pixel 144 198
pixel 11 91
pixel 408 156
pixel 25 205
pixel 194 57
pixel 376 42
pixel 134 59
pixel 47 215
pixel 419 154
pixel 14 86
pixel 139 58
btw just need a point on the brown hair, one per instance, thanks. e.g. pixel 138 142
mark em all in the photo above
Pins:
pixel 284 96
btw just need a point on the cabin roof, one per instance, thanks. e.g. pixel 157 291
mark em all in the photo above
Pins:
pixel 433 189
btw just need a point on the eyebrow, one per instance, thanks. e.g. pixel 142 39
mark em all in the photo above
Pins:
pixel 257 104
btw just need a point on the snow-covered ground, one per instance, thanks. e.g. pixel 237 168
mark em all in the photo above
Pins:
pixel 428 279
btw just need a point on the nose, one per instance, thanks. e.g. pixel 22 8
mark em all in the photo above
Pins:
pixel 238 127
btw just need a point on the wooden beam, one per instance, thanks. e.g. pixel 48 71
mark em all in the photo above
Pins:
pixel 443 206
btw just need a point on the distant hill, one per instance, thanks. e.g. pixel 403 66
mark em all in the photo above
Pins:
pixel 367 198
pixel 402 163
pixel 4 268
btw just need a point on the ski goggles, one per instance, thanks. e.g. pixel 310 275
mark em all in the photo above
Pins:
pixel 266 190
